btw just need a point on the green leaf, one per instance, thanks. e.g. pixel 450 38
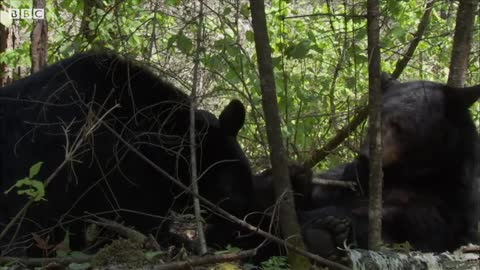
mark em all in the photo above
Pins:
pixel 398 32
pixel 299 50
pixel 150 255
pixel 171 41
pixel 227 11
pixel 79 266
pixel 35 169
pixel 249 35
pixel 229 249
pixel 184 44
pixel 77 254
pixel 245 10
pixel 172 3
pixel 64 249
pixel 36 190
pixel 276 61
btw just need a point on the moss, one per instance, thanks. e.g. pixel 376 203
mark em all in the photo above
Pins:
pixel 121 252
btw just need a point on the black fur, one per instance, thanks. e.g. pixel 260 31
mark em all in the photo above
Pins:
pixel 431 161
pixel 70 97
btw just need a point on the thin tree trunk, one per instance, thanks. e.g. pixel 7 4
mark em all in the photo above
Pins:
pixel 39 37
pixel 89 15
pixel 374 131
pixel 193 160
pixel 462 42
pixel 278 157
pixel 4 31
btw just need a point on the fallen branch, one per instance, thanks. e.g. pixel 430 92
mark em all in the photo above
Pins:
pixel 120 229
pixel 148 241
pixel 337 183
pixel 212 259
pixel 35 262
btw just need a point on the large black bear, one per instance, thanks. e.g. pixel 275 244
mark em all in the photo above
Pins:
pixel 323 229
pixel 75 104
pixel 431 180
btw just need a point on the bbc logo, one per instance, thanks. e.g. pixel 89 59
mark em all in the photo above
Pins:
pixel 26 13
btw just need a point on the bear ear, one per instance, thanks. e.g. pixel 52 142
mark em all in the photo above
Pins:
pixel 387 81
pixel 463 96
pixel 232 118
pixel 204 120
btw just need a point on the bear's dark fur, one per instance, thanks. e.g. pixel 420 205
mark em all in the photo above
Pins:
pixel 301 180
pixel 71 102
pixel 430 162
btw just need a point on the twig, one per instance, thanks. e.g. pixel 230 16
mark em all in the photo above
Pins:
pixel 417 37
pixel 120 229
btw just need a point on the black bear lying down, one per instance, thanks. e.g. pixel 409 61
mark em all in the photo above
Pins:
pixel 431 172
pixel 431 180
pixel 68 105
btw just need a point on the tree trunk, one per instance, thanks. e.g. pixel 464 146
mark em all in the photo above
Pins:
pixel 462 42
pixel 278 157
pixel 4 31
pixel 374 131
pixel 39 37
pixel 89 15
pixel 197 84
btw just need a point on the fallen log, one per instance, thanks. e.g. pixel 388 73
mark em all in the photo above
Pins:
pixel 466 258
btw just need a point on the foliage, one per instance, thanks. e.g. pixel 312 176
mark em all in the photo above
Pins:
pixel 29 186
pixel 319 50
pixel 275 263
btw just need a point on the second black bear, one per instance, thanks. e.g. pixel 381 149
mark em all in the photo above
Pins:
pixel 431 171
pixel 431 190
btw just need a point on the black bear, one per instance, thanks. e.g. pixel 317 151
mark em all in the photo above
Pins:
pixel 301 181
pixel 431 180
pixel 262 212
pixel 83 105
pixel 323 230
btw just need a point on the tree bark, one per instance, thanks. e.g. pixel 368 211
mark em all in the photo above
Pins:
pixel 288 218
pixel 197 84
pixel 39 37
pixel 375 136
pixel 4 31
pixel 462 42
